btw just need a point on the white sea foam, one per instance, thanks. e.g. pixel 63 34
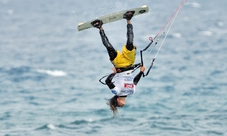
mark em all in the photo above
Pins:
pixel 10 12
pixel 51 126
pixel 220 24
pixel 176 35
pixel 206 33
pixel 52 72
pixel 195 5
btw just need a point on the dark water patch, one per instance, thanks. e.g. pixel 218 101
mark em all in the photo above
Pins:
pixel 105 120
pixel 91 131
pixel 99 122
pixel 73 127
pixel 187 57
pixel 125 120
pixel 18 70
pixel 182 68
pixel 167 126
pixel 23 73
pixel 162 106
pixel 220 110
pixel 214 132
pixel 168 88
pixel 191 106
pixel 86 126
pixel 197 52
pixel 167 78
pixel 217 72
pixel 72 100
pixel 9 102
pixel 5 116
pixel 29 98
pixel 205 90
pixel 42 127
pixel 171 123
pixel 220 41
pixel 34 103
pixel 80 122
pixel 7 125
pixel 190 93
pixel 25 91
pixel 215 116
pixel 101 112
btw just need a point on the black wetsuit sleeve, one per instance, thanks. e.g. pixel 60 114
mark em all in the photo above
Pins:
pixel 137 78
pixel 109 81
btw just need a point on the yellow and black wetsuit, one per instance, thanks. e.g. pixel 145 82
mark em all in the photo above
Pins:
pixel 127 56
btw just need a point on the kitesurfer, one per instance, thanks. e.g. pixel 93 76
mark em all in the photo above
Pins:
pixel 125 83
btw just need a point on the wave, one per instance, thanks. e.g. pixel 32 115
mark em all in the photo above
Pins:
pixel 46 126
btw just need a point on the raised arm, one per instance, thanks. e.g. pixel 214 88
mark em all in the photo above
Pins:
pixel 138 76
pixel 109 81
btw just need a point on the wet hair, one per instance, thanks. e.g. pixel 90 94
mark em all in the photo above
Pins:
pixel 113 104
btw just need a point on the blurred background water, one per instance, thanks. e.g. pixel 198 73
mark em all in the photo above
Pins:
pixel 49 71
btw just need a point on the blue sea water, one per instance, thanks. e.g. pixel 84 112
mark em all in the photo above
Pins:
pixel 49 71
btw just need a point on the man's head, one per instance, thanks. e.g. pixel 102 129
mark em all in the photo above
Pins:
pixel 116 101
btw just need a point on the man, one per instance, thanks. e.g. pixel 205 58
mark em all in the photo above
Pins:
pixel 124 84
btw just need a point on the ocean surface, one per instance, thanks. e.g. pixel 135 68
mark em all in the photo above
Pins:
pixel 49 71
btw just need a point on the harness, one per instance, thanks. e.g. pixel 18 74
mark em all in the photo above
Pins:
pixel 119 70
pixel 130 67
